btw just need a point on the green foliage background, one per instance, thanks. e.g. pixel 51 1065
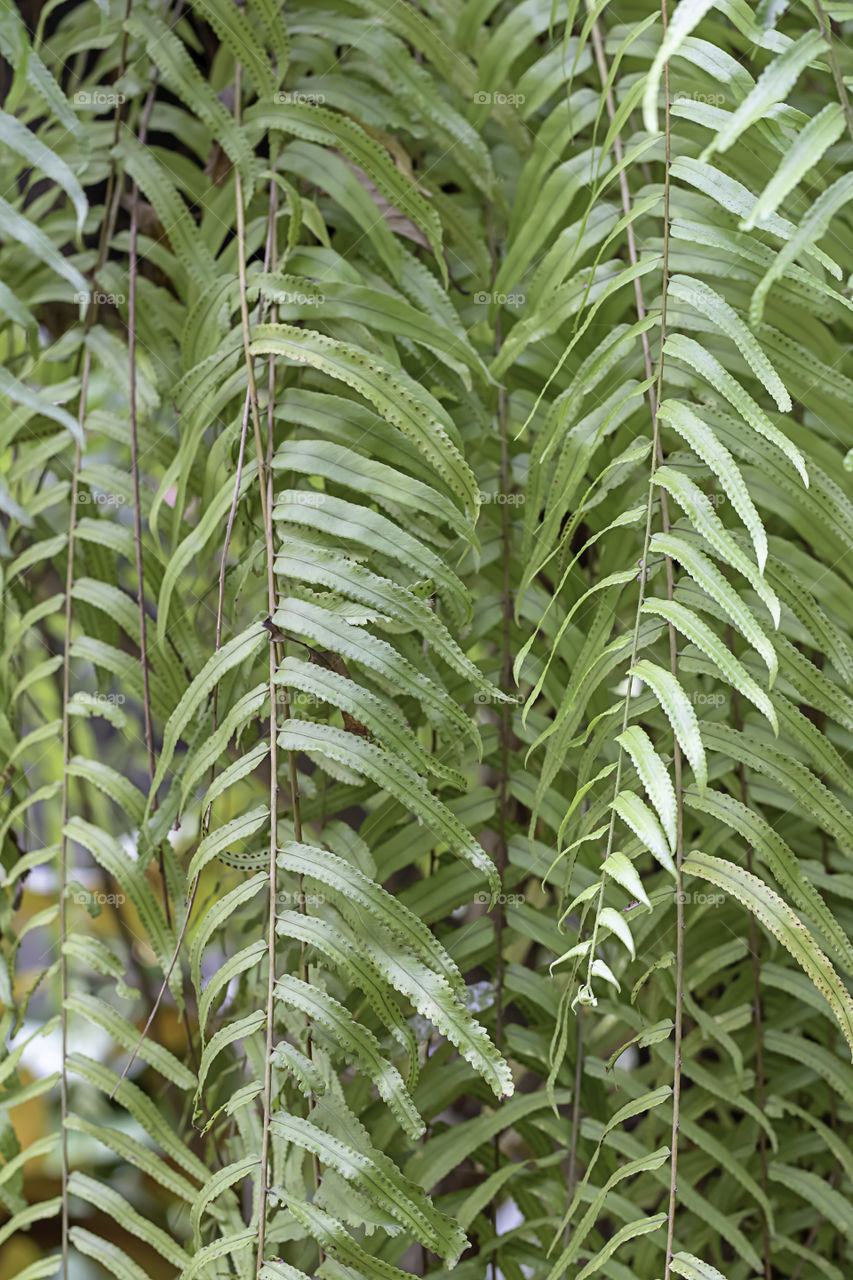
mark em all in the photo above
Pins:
pixel 427 670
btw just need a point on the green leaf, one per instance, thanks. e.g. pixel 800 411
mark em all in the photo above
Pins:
pixel 236 651
pixel 692 353
pixel 780 920
pixel 181 75
pixel 716 309
pixel 622 870
pixel 704 443
pixel 14 226
pixel 631 1230
pixel 706 574
pixel 814 224
pixel 654 776
pixel 700 634
pixel 644 824
pixel 773 85
pixel 331 129
pixel 376 1175
pixel 329 1233
pixel 357 1042
pixel 107 1200
pixel 706 522
pixel 811 144
pixel 393 393
pixel 397 778
pixel 693 1268
pixel 679 712
pixel 687 15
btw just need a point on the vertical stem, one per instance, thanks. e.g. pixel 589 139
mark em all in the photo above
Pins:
pixel 505 727
pixel 756 1002
pixel 576 1116
pixel 265 489
pixel 677 763
pixel 657 451
pixel 265 515
pixel 110 211
pixel 63 840
pixel 137 524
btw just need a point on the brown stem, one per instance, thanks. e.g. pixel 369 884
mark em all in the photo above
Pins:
pixel 677 763
pixel 106 232
pixel 265 487
pixel 63 845
pixel 505 727
pixel 572 1173
pixel 137 525
pixel 161 992
pixel 756 1002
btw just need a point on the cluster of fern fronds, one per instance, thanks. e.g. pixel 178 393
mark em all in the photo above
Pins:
pixel 426 702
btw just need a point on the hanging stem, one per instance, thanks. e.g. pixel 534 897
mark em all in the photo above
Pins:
pixel 107 226
pixel 63 843
pixel 760 1083
pixel 137 512
pixel 572 1174
pixel 505 726
pixel 655 396
pixel 265 487
pixel 656 460
pixel 677 762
